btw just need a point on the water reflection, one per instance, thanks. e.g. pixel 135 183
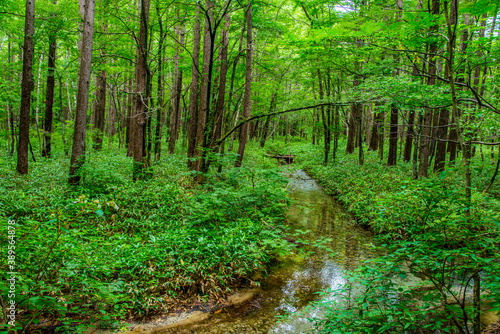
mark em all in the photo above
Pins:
pixel 292 285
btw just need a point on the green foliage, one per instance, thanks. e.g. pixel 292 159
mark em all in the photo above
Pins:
pixel 435 242
pixel 112 248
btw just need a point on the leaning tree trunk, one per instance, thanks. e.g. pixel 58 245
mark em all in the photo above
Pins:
pixel 82 99
pixel 247 103
pixel 24 119
pixel 49 98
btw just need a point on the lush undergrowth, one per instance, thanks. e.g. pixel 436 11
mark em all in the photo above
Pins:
pixel 112 248
pixel 428 230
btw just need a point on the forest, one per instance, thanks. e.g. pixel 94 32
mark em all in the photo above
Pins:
pixel 155 157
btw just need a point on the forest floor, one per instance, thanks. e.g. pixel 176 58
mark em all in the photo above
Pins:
pixel 115 249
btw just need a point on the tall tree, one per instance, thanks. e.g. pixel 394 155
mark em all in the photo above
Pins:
pixel 247 103
pixel 205 85
pixel 100 109
pixel 193 96
pixel 141 96
pixel 219 116
pixel 49 95
pixel 24 119
pixel 393 137
pixel 175 118
pixel 160 85
pixel 425 139
pixel 82 99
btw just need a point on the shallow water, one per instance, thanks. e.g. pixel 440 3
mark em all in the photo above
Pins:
pixel 294 282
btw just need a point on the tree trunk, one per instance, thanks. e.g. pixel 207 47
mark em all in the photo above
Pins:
pixel 49 98
pixel 141 97
pixel 425 138
pixel 351 130
pixel 326 128
pixel 416 148
pixel 204 89
pixel 24 119
pixel 100 110
pixel 193 97
pixel 177 94
pixel 160 87
pixel 359 136
pixel 265 129
pixel 247 103
pixel 129 135
pixel 375 132
pixel 442 134
pixel 222 83
pixel 336 132
pixel 393 137
pixel 409 136
pixel 381 135
pixel 82 100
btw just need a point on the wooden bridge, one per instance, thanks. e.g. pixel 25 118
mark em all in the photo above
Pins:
pixel 287 158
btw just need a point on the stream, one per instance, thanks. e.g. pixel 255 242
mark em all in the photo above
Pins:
pixel 293 283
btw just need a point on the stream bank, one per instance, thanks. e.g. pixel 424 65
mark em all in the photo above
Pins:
pixel 295 280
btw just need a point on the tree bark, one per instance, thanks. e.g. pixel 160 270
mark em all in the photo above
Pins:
pixel 393 137
pixel 375 132
pixel 265 129
pixel 49 98
pixel 381 135
pixel 351 130
pixel 160 87
pixel 129 135
pixel 100 110
pixel 193 97
pixel 247 103
pixel 177 94
pixel 82 99
pixel 222 81
pixel 324 117
pixel 442 135
pixel 425 138
pixel 410 135
pixel 24 119
pixel 141 96
pixel 452 146
pixel 204 88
